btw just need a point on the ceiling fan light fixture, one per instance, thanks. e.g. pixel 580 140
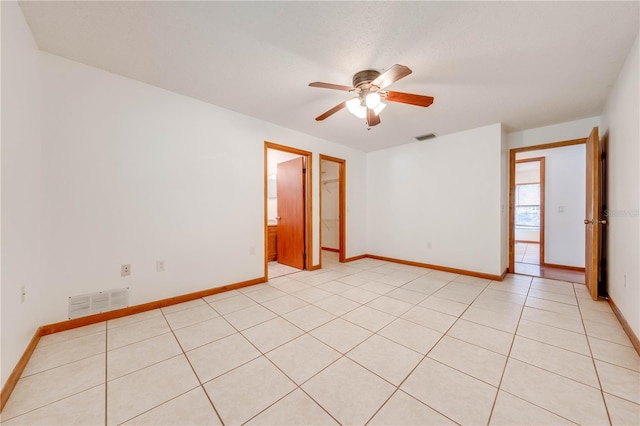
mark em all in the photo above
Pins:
pixel 356 108
pixel 373 100
pixel 361 112
pixel 353 104
pixel 379 108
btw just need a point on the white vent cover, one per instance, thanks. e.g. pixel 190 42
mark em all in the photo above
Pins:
pixel 103 301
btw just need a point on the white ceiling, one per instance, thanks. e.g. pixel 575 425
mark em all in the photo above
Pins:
pixel 525 64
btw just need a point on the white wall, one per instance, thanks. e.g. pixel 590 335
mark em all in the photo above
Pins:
pixel 564 190
pixel 100 170
pixel 135 174
pixel 21 190
pixel 554 133
pixel 527 235
pixel 620 125
pixel 439 201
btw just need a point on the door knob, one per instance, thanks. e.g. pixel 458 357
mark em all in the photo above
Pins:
pixel 595 222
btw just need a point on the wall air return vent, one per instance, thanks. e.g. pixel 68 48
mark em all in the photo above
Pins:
pixel 425 136
pixel 102 301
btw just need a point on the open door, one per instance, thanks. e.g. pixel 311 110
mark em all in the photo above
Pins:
pixel 332 209
pixel 291 211
pixel 593 221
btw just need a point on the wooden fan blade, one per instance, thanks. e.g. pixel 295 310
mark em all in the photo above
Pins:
pixel 372 118
pixel 330 86
pixel 391 75
pixel 409 98
pixel 331 111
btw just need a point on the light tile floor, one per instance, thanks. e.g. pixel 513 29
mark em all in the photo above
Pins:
pixel 368 342
pixel 278 269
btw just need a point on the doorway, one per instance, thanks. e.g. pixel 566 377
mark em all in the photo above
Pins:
pixel 558 214
pixel 287 207
pixel 529 214
pixel 332 209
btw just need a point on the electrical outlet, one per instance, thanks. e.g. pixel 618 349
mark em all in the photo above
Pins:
pixel 160 266
pixel 252 250
pixel 125 270
pixel 625 280
pixel 23 294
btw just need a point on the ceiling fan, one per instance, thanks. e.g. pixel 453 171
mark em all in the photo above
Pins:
pixel 368 86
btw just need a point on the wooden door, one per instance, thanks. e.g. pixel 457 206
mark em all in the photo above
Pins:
pixel 291 211
pixel 593 211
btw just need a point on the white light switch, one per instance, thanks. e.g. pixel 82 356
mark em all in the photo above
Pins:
pixel 560 209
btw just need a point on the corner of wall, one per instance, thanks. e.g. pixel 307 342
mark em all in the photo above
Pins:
pixel 621 133
pixel 504 198
pixel 21 187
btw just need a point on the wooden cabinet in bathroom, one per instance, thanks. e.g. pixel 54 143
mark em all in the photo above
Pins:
pixel 272 235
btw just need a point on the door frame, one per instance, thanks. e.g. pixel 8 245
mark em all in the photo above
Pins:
pixel 512 187
pixel 542 205
pixel 308 237
pixel 342 173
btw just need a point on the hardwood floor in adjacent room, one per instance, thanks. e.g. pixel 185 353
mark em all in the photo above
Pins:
pixel 527 262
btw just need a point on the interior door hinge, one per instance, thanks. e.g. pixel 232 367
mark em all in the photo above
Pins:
pixel 304 170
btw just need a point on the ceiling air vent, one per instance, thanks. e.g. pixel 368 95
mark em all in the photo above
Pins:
pixel 426 136
pixel 102 301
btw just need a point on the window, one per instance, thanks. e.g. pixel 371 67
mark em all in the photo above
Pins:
pixel 528 206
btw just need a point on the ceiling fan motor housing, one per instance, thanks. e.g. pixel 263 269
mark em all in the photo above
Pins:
pixel 364 77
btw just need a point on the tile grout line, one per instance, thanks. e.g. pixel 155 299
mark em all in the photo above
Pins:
pixel 369 337
pixel 305 332
pixel 262 354
pixel 425 356
pixel 515 333
pixel 593 359
pixel 64 363
pixel 49 403
pixel 158 362
pixel 544 369
pixel 52 368
pixel 556 347
pixel 342 355
pixel 201 385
